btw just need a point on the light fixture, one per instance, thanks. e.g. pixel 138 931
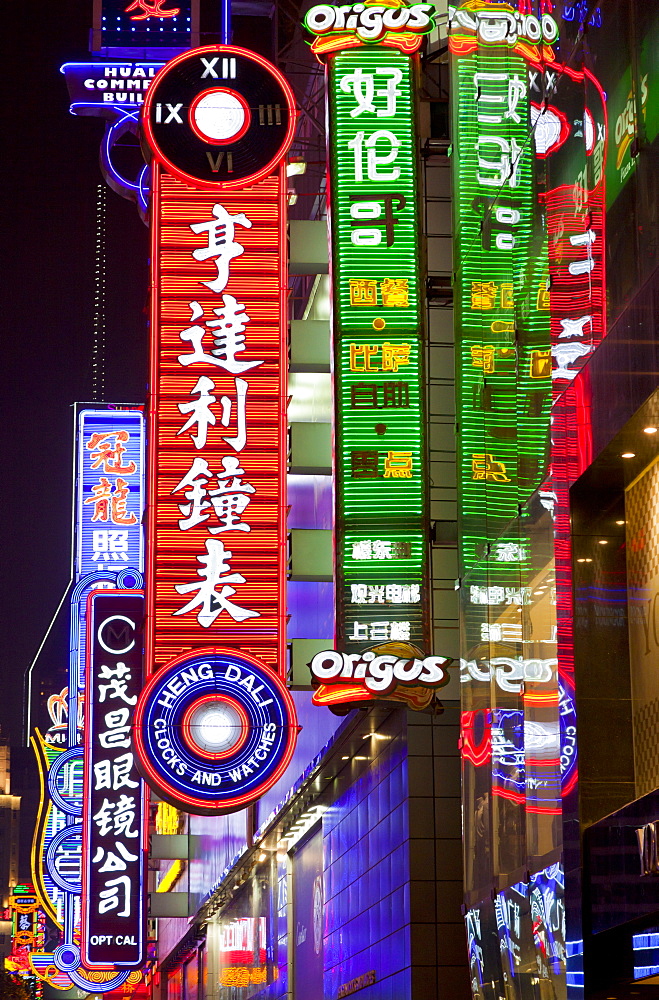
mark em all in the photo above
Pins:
pixel 360 758
pixel 649 430
pixel 581 560
pixel 628 454
pixel 603 541
pixel 589 560
pixel 345 758
pixel 620 522
pixel 296 167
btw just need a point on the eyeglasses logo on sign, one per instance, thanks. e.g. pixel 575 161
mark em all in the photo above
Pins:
pixel 392 23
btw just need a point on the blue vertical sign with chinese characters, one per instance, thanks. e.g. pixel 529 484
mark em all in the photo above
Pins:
pixel 110 494
pixel 113 865
pixel 101 921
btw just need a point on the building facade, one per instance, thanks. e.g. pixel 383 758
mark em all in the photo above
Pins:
pixel 461 416
pixel 346 876
pixel 556 271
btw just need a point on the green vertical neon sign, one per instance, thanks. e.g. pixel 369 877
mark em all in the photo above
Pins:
pixel 380 462
pixel 502 291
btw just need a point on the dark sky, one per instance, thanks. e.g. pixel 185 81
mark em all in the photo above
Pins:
pixel 49 178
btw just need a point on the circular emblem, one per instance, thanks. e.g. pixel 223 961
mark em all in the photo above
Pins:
pixel 219 115
pixel 214 730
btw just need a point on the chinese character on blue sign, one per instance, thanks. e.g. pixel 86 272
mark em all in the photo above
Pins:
pixel 110 491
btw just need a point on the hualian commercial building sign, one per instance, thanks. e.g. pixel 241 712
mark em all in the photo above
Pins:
pixel 107 82
pixel 218 121
pixel 378 328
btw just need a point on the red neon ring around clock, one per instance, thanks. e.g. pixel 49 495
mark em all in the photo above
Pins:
pixel 204 136
pixel 186 726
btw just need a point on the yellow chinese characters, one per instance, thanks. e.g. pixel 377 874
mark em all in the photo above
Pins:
pixel 486 295
pixel 483 357
pixel 486 467
pixel 363 357
pixel 540 364
pixel 398 465
pixel 363 292
pixel 394 292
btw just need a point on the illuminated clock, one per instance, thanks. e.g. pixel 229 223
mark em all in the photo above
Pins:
pixel 219 116
pixel 214 730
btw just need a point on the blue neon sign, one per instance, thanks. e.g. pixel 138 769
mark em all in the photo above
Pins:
pixel 110 491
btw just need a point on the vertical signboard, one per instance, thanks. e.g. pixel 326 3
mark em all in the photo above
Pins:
pixel 530 134
pixel 216 513
pixel 110 470
pixel 217 474
pixel 502 279
pixel 113 913
pixel 108 556
pixel 219 120
pixel 378 328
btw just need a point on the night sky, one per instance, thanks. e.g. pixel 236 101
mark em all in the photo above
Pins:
pixel 50 175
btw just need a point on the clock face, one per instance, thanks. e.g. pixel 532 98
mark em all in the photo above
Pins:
pixel 219 116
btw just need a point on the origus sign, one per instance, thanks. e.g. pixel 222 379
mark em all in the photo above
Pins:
pixel 218 122
pixel 391 672
pixel 394 24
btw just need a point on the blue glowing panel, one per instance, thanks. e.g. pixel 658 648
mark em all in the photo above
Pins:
pixel 546 896
pixel 146 25
pixel 646 953
pixel 109 491
pixel 309 916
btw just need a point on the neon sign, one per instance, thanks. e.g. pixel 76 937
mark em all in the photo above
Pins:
pixel 502 300
pixel 219 121
pixel 380 461
pixel 214 730
pixel 108 554
pixel 219 115
pixel 110 495
pixel 391 672
pixel 113 911
pixel 127 27
pixel 398 25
